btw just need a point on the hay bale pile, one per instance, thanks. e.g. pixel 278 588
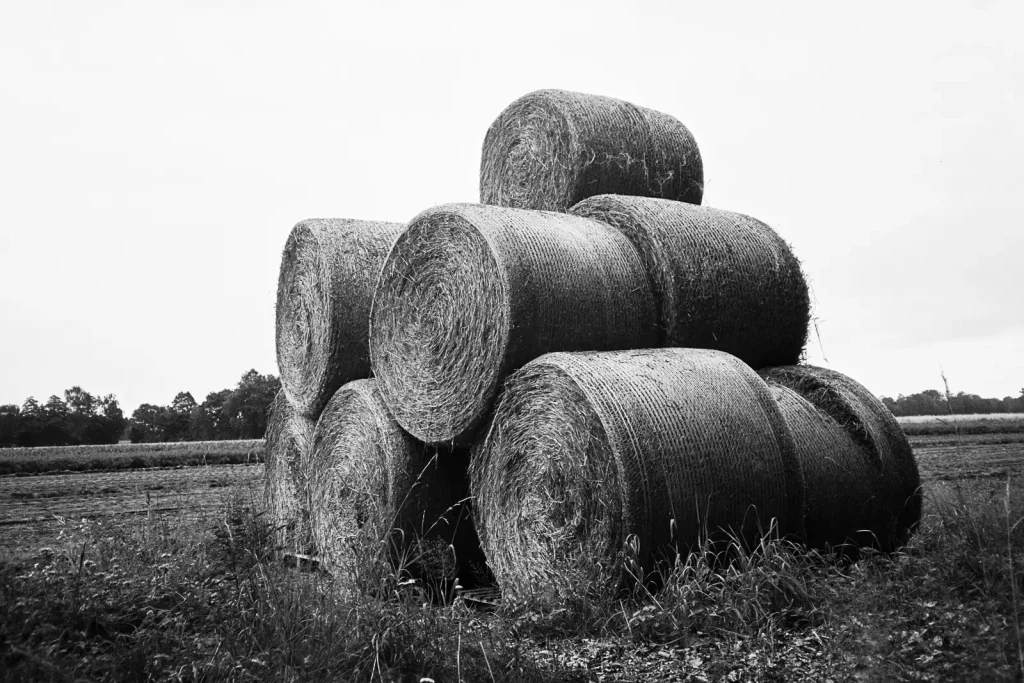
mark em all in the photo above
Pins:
pixel 564 386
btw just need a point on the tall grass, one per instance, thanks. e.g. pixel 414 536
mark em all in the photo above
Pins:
pixel 206 598
pixel 171 598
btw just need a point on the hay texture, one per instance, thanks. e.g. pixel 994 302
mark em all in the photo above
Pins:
pixel 469 293
pixel 596 461
pixel 553 148
pixel 328 271
pixel 383 499
pixel 721 280
pixel 284 475
pixel 862 483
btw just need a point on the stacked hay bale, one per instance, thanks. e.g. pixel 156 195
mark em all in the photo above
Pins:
pixel 553 148
pixel 287 441
pixel 568 368
pixel 355 481
pixel 328 270
pixel 862 482
pixel 721 280
pixel 666 447
pixel 404 503
pixel 471 292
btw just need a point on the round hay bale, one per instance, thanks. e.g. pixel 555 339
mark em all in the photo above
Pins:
pixel 383 501
pixel 553 148
pixel 862 483
pixel 469 293
pixel 595 460
pixel 328 272
pixel 284 480
pixel 721 280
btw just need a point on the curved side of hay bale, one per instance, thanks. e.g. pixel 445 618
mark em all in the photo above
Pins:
pixel 553 148
pixel 469 293
pixel 284 476
pixel 863 485
pixel 588 451
pixel 383 501
pixel 328 271
pixel 721 280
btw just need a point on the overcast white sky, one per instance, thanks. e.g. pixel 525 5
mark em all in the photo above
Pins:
pixel 154 156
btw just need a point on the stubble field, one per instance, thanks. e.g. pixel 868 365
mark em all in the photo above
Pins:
pixel 168 574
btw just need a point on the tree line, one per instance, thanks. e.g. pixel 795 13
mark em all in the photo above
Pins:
pixel 81 418
pixel 78 418
pixel 932 402
pixel 239 413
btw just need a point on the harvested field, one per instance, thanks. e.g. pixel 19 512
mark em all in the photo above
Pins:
pixel 129 456
pixel 994 423
pixel 970 459
pixel 32 509
pixel 1000 418
pixel 195 581
pixel 970 440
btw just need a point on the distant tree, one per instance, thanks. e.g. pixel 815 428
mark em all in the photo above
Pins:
pixel 249 404
pixel 208 422
pixel 31 407
pixel 81 409
pixel 79 401
pixel 30 423
pixel 175 419
pixel 56 426
pixel 146 424
pixel 107 424
pixel 931 402
pixel 10 423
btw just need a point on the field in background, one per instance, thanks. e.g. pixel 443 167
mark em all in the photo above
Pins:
pixel 993 423
pixel 128 456
pixel 987 417
pixel 34 510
